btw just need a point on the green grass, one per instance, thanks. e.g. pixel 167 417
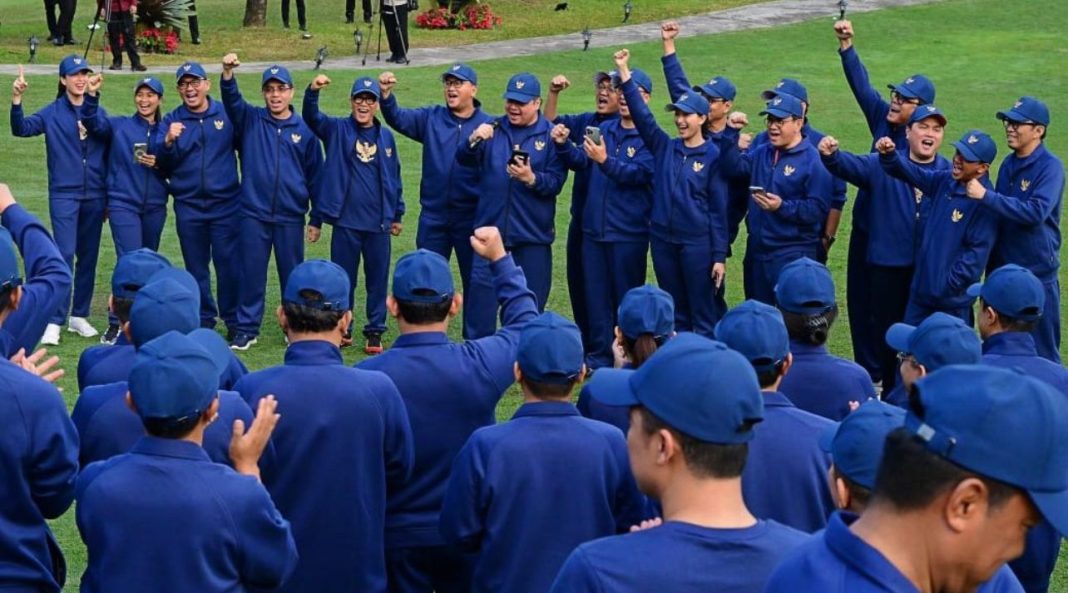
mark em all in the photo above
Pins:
pixel 980 65
pixel 220 23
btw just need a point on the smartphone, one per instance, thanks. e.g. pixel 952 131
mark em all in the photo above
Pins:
pixel 594 134
pixel 519 157
pixel 140 149
pixel 756 189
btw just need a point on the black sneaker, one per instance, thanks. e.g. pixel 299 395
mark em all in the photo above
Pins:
pixel 117 65
pixel 373 345
pixel 111 335
pixel 242 342
pixel 138 68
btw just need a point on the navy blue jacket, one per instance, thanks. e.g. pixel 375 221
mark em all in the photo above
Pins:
pixel 448 190
pixel 550 502
pixel 577 123
pixel 77 161
pixel 280 159
pixel 837 198
pixel 343 444
pixel 107 427
pixel 202 162
pixel 619 192
pixel 785 477
pixel 796 175
pixel 823 384
pixel 681 558
pixel 1016 350
pixel 335 192
pixel 837 561
pixel 450 390
pixel 103 364
pixel 165 518
pixel 525 215
pixel 618 416
pixel 46 281
pixel 1027 203
pixel 958 234
pixel 689 194
pixel 131 186
pixel 897 205
pixel 38 469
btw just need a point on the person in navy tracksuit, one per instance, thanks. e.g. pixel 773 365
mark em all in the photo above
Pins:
pixel 818 382
pixel 607 109
pixel 359 193
pixel 77 193
pixel 900 208
pixel 938 341
pixel 137 187
pixel 39 449
pixel 280 159
pixel 1027 204
pixel 492 502
pixel 45 284
pixel 618 173
pixel 791 192
pixel 864 297
pixel 520 178
pixel 1012 301
pixel 450 390
pixel 958 232
pixel 343 446
pixel 448 190
pixel 785 477
pixel 205 527
pixel 688 222
pixel 198 149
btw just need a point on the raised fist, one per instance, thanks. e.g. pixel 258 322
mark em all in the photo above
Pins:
pixel 319 82
pixel 828 145
pixel 559 83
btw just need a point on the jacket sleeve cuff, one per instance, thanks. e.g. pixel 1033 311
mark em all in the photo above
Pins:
pixel 502 266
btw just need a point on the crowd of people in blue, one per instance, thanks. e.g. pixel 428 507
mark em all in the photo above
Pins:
pixel 710 448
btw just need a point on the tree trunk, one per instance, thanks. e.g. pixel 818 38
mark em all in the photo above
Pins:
pixel 255 13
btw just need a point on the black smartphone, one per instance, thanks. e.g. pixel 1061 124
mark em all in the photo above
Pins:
pixel 594 134
pixel 756 189
pixel 519 157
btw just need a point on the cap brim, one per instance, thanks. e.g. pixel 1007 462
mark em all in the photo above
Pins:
pixel 597 78
pixel 519 97
pixel 1054 507
pixel 279 79
pixel 974 290
pixel 678 107
pixel 780 113
pixel 612 387
pixel 903 91
pixel 897 337
pixel 967 152
pixel 769 95
pixel 941 118
pixel 451 74
pixel 1015 116
pixel 365 92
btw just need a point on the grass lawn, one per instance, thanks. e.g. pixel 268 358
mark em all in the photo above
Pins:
pixel 220 23
pixel 979 64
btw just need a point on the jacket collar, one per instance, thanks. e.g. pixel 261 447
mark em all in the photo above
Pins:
pixel 416 339
pixel 1030 159
pixel 214 109
pixel 798 347
pixel 313 353
pixel 776 399
pixel 861 557
pixel 157 447
pixel 1010 344
pixel 546 409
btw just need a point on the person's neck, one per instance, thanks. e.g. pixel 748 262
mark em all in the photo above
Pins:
pixel 529 398
pixel 364 126
pixel 197 435
pixel 694 141
pixel 464 111
pixel 707 502
pixel 1028 149
pixel 281 116
pixel 793 143
pixel 332 336
pixel 75 100
pixel 626 122
pixel 148 118
pixel 203 107
pixel 899 537
pixel 917 158
pixel 410 328
pixel 717 125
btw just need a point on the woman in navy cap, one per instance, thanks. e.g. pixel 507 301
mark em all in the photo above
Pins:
pixel 137 187
pixel 76 188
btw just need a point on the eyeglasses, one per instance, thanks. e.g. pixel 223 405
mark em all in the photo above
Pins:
pixel 903 357
pixel 896 97
pixel 1016 125
pixel 365 100
pixel 778 123
pixel 453 83
pixel 191 84
pixel 276 89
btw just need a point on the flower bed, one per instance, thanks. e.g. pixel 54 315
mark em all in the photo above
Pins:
pixel 154 40
pixel 473 16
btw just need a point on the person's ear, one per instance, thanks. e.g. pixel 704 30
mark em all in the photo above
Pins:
pixel 786 364
pixel 283 322
pixel 667 447
pixel 345 321
pixel 967 502
pixel 130 402
pixel 392 307
pixel 921 371
pixel 516 372
pixel 457 304
pixel 126 331
pixel 841 494
pixel 15 298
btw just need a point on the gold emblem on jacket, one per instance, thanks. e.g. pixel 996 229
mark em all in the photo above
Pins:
pixel 366 151
pixel 219 124
pixel 539 145
pixel 788 170
pixel 1024 184
pixel 957 215
pixel 389 153
pixel 918 194
pixel 295 138
pixel 82 132
pixel 631 151
pixel 698 166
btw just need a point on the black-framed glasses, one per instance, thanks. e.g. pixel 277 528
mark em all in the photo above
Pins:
pixel 453 83
pixel 276 88
pixel 365 100
pixel 778 122
pixel 192 84
pixel 896 97
pixel 1016 125
pixel 903 357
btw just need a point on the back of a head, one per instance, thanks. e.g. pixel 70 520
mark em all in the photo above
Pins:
pixel 132 271
pixel 550 356
pixel 169 301
pixel 856 446
pixel 172 383
pixel 423 287
pixel 804 293
pixel 757 332
pixel 316 297
pixel 1015 294
pixel 10 273
pixel 647 320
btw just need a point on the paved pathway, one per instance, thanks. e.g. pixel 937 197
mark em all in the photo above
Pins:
pixel 756 16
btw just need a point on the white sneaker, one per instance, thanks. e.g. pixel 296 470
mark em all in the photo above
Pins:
pixel 80 326
pixel 51 335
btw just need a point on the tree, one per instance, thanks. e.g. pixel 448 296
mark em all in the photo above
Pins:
pixel 255 13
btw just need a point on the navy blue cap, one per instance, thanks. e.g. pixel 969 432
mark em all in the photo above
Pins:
pixel 784 106
pixel 461 71
pixel 1026 110
pixel 787 86
pixel 133 270
pixel 916 86
pixel 719 87
pixel 805 286
pixel 422 276
pixel 366 85
pixel 1014 291
pixel 193 69
pixel 327 280
pixel 550 349
pixel 151 83
pixel 523 88
pixel 940 340
pixel 639 77
pixel 612 75
pixel 165 303
pixel 697 386
pixel 279 73
pixel 1002 424
pixel 976 146
pixel 215 346
pixel 757 331
pixel 10 273
pixel 74 64
pixel 923 112
pixel 646 310
pixel 689 103
pixel 856 443
pixel 173 377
